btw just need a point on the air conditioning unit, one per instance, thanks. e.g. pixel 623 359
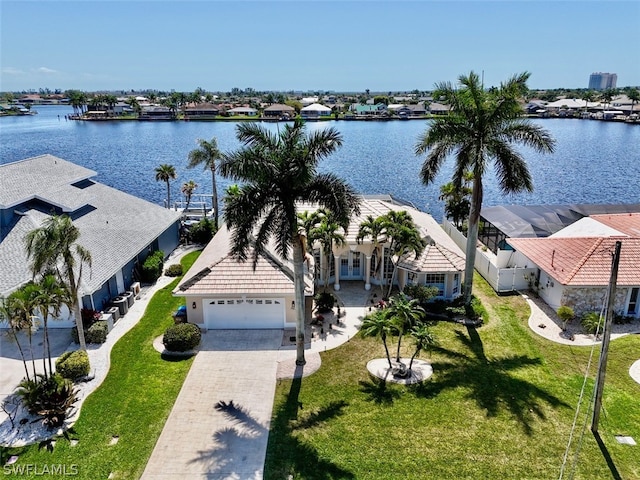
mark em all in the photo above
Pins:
pixel 135 289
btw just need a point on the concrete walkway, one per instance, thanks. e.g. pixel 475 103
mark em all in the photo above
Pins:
pixel 219 425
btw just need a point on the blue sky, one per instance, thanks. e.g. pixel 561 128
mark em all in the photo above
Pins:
pixel 313 45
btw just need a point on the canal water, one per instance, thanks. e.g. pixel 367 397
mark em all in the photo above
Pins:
pixel 594 161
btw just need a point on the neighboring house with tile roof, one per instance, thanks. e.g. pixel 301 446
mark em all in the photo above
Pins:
pixel 118 229
pixel 574 264
pixel 223 292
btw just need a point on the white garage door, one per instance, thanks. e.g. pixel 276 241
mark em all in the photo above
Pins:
pixel 236 313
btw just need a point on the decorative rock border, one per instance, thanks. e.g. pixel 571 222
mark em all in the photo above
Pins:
pixel 420 371
pixel 634 371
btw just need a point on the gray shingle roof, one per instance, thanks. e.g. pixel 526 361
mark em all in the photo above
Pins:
pixel 114 226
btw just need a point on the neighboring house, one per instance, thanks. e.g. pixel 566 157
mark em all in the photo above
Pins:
pixel 436 108
pixel 506 270
pixel 377 109
pixel 251 112
pixel 156 113
pixel 315 110
pixel 222 292
pixel 118 229
pixel 418 110
pixel 202 111
pixel 306 101
pixel 574 264
pixel 279 110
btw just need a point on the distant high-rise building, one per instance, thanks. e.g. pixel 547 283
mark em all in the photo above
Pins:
pixel 602 81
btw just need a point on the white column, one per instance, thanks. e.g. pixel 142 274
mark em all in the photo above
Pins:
pixel 336 285
pixel 367 272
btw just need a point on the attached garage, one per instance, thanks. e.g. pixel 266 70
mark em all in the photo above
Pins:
pixel 243 313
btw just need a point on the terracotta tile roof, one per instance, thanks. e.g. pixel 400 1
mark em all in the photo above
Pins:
pixel 582 261
pixel 229 275
pixel 627 223
pixel 434 259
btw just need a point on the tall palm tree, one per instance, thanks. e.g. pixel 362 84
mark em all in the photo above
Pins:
pixel 11 312
pixel 21 309
pixel 49 296
pixel 207 154
pixel 422 339
pixel 378 324
pixel 633 95
pixel 166 173
pixel 404 314
pixel 404 239
pixel 187 190
pixel 483 126
pixel 278 171
pixel 327 234
pixel 53 247
pixel 376 229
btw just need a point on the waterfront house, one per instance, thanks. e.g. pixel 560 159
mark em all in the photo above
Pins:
pixel 248 111
pixel 552 249
pixel 222 292
pixel 118 229
pixel 315 110
pixel 278 110
pixel 201 111
pixel 365 110
pixel 155 112
pixel 436 108
pixel 574 264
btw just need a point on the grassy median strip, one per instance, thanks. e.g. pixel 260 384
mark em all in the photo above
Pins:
pixel 132 403
pixel 499 405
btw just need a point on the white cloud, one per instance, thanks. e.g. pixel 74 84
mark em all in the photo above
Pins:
pixel 46 70
pixel 12 71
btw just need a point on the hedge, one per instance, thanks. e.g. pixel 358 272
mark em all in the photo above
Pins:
pixel 73 365
pixel 181 337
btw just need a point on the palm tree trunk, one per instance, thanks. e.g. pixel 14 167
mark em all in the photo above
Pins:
pixel 33 362
pixel 298 280
pixel 47 344
pixel 168 195
pixel 386 349
pixel 400 334
pixel 76 307
pixel 472 238
pixel 214 191
pixel 24 360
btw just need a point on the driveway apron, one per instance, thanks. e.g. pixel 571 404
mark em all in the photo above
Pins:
pixel 219 425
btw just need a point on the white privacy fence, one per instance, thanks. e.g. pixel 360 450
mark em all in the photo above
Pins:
pixel 500 279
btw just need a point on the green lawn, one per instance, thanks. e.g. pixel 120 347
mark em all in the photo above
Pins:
pixel 499 406
pixel 133 403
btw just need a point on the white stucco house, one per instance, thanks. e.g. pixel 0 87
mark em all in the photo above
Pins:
pixel 223 293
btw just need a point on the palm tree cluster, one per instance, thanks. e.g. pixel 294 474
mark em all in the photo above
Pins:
pixel 398 230
pixel 277 172
pixel 483 127
pixel 403 315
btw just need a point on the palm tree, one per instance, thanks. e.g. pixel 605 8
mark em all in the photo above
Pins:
pixel 378 324
pixel 404 314
pixel 11 312
pixel 207 154
pixel 20 309
pixel 634 96
pixel 404 238
pixel 279 171
pixel 135 105
pixel 376 229
pixel 49 295
pixel 587 96
pixel 53 248
pixel 327 234
pixel 422 339
pixel 187 190
pixel 166 173
pixel 456 198
pixel 483 126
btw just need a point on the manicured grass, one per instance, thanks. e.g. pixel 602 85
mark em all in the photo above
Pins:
pixel 133 402
pixel 499 405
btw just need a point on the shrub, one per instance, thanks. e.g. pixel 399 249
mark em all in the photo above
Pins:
pixel 421 292
pixel 50 397
pixel 174 270
pixel 325 301
pixel 96 333
pixel 590 321
pixel 73 365
pixel 89 316
pixel 152 266
pixel 477 310
pixel 622 319
pixel 203 231
pixel 565 314
pixel 181 337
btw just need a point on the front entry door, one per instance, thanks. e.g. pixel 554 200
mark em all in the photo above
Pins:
pixel 351 266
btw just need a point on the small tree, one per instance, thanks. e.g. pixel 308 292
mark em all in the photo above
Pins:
pixel 422 339
pixel 378 324
pixel 565 314
pixel 404 314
